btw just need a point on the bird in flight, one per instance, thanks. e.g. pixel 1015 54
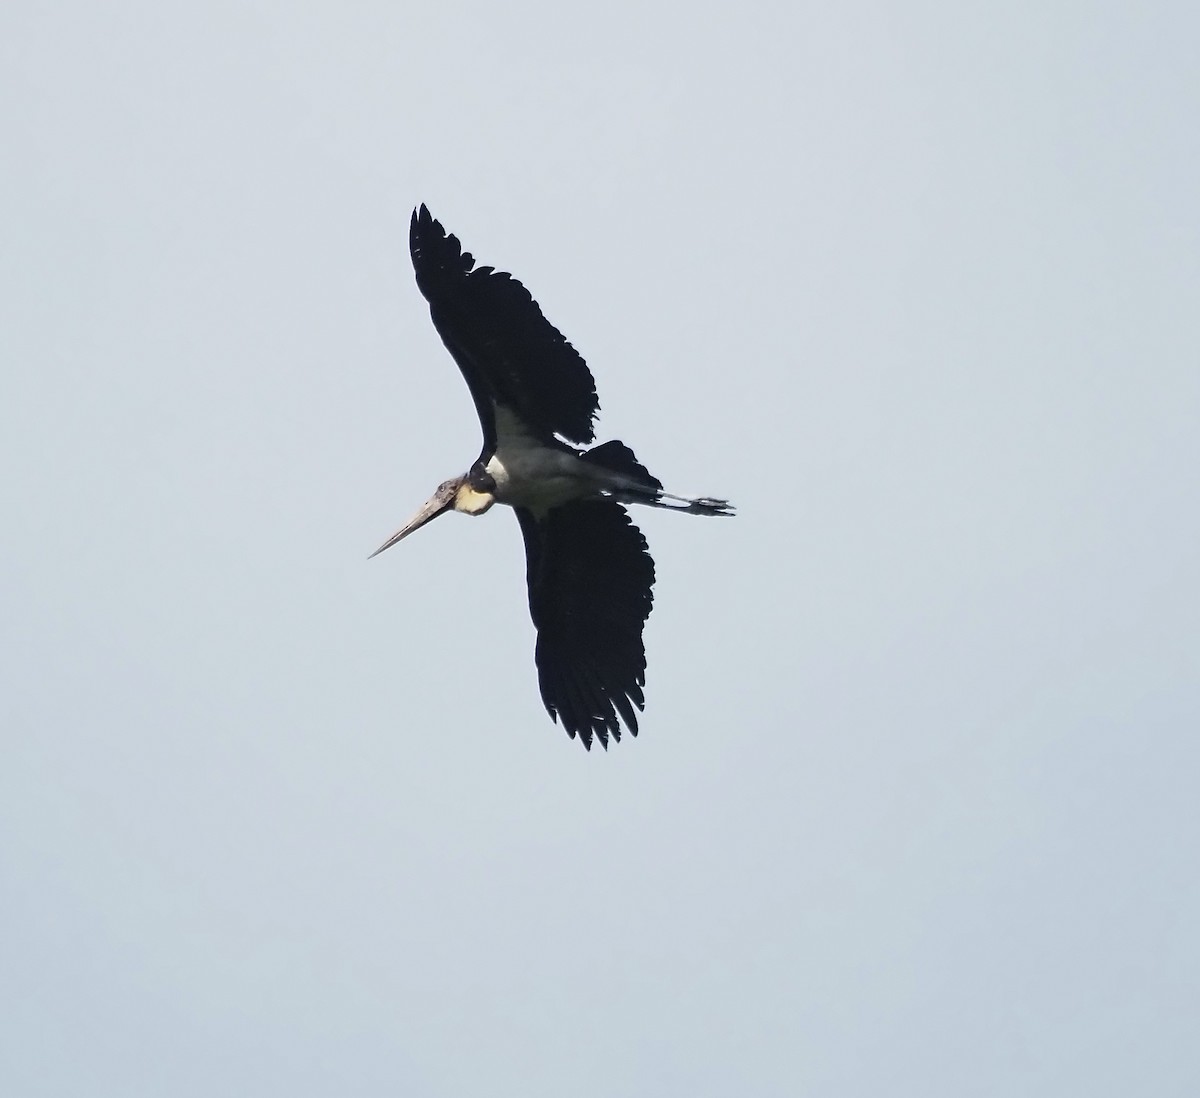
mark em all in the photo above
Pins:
pixel 588 569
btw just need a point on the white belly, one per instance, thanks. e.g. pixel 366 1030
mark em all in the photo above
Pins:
pixel 540 478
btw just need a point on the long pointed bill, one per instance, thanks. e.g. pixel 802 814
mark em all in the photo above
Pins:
pixel 441 500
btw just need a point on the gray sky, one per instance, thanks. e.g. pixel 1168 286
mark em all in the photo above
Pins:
pixel 913 811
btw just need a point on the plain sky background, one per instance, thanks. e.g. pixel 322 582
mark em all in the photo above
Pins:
pixel 914 806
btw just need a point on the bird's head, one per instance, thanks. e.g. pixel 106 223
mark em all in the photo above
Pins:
pixel 456 494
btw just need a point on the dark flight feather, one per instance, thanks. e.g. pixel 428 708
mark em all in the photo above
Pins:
pixel 590 579
pixel 508 352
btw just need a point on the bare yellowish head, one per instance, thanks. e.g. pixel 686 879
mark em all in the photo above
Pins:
pixel 451 495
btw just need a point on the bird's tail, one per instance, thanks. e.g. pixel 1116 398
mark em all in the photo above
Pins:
pixel 632 482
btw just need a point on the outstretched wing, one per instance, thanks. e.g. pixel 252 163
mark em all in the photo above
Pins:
pixel 590 578
pixel 507 350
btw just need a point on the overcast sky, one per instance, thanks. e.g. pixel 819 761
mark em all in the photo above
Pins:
pixel 914 806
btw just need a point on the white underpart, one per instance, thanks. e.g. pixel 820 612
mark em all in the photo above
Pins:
pixel 528 474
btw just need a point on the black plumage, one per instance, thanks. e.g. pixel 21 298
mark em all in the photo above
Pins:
pixel 589 572
pixel 508 352
pixel 590 578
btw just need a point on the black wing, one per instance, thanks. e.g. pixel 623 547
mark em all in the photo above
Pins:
pixel 507 350
pixel 590 579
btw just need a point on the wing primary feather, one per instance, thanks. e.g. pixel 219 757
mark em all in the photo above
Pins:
pixel 590 592
pixel 507 350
